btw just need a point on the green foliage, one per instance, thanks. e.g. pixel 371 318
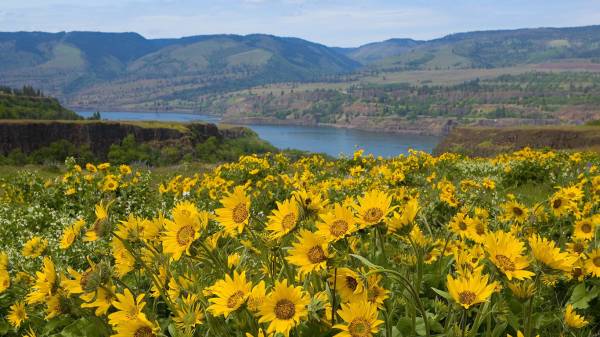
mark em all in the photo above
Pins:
pixel 28 103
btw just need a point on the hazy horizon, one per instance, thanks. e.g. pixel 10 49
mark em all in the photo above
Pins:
pixel 349 23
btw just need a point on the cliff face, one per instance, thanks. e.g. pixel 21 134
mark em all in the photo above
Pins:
pixel 483 141
pixel 99 136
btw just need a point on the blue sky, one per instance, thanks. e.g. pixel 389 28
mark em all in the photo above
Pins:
pixel 333 22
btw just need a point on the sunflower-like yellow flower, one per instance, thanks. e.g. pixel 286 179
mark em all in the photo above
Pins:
pixel 459 226
pixel 309 253
pixel 405 217
pixel 70 234
pixel 585 229
pixel 347 283
pixel 311 201
pixel 189 313
pixel 129 309
pixel 375 293
pixel 506 253
pixel 109 184
pixel 17 314
pixel 546 252
pixel 284 219
pixel 230 294
pixel 99 227
pixel 515 211
pixel 235 213
pixel 139 326
pixel 561 204
pixel 45 283
pixel 592 264
pixel 522 290
pixel 337 223
pixel 284 307
pixel 124 261
pixel 360 320
pixel 185 228
pixel 572 319
pixel 257 297
pixel 470 290
pixel 34 247
pixel 373 208
pixel 101 299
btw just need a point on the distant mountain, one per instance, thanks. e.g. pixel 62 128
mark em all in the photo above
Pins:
pixel 65 64
pixel 376 51
pixel 94 69
pixel 484 49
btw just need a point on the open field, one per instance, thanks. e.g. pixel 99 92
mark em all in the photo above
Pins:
pixel 273 246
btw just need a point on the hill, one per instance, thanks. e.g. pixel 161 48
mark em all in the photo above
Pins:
pixel 68 64
pixel 484 49
pixel 28 103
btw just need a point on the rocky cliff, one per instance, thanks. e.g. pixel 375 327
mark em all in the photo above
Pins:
pixel 486 141
pixel 28 136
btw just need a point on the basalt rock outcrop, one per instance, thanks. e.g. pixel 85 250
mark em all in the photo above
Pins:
pixel 28 136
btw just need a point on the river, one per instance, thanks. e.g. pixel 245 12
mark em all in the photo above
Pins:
pixel 333 141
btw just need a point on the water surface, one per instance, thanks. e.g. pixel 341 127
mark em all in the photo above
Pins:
pixel 333 141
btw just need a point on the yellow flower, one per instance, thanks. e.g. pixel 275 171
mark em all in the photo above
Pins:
pixel 231 294
pixel 592 264
pixel 470 290
pixel 4 280
pixel 109 184
pixel 125 169
pixel 374 292
pixel 405 217
pixel 514 211
pixel 124 261
pixel 257 297
pixel 310 201
pixel 17 314
pixel 45 283
pixel 284 218
pixel 101 299
pixel 129 309
pixel 233 260
pixel 545 251
pixel 91 168
pixel 459 226
pixel 522 290
pixel 189 313
pixel 103 166
pixel 585 229
pixel 337 223
pixel 309 253
pixel 572 319
pixel 70 234
pixel 35 247
pixel 505 251
pixel 360 320
pixel 184 230
pixel 284 307
pixel 99 227
pixel 373 207
pixel 347 283
pixel 137 327
pixel 235 212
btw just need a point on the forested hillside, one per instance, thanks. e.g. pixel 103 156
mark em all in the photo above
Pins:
pixel 28 103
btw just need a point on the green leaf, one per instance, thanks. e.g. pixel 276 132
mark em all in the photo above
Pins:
pixel 442 293
pixel 404 326
pixel 87 326
pixel 581 296
pixel 366 262
pixel 499 329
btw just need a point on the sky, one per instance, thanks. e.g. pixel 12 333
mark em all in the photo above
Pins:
pixel 342 23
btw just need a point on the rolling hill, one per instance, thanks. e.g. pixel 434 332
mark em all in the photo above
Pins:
pixel 66 64
pixel 128 71
pixel 483 49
